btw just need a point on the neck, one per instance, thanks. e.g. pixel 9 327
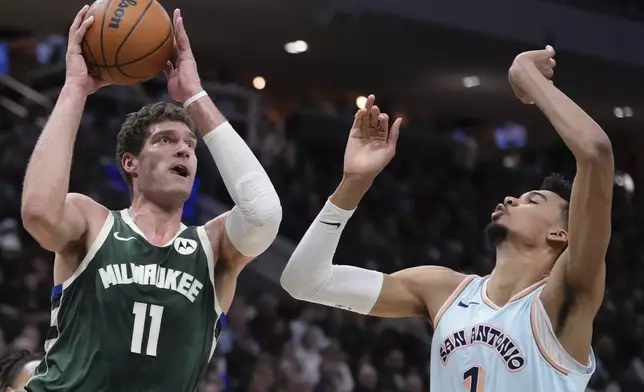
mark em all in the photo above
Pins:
pixel 516 269
pixel 158 224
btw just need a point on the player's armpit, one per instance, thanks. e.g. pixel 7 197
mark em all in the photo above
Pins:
pixel 418 291
pixel 223 248
pixel 56 231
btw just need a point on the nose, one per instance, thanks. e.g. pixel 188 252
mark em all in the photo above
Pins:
pixel 510 201
pixel 183 151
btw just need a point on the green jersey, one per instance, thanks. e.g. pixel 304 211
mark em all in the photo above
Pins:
pixel 134 317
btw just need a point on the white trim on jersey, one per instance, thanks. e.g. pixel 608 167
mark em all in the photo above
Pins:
pixel 548 344
pixel 93 249
pixel 127 218
pixel 207 248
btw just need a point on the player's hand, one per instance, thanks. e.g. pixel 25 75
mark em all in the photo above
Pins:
pixel 76 72
pixel 371 144
pixel 541 60
pixel 182 75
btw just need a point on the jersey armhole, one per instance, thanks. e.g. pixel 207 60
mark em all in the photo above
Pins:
pixel 548 344
pixel 93 249
pixel 450 300
pixel 207 248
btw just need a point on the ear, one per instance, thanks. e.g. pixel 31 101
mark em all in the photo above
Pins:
pixel 557 238
pixel 130 164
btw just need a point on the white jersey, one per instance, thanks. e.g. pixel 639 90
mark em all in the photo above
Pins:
pixel 480 347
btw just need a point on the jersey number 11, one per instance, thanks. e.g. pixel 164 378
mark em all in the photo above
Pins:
pixel 140 311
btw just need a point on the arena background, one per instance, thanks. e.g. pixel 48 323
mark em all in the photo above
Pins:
pixel 466 143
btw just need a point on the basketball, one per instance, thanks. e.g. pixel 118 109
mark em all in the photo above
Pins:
pixel 129 42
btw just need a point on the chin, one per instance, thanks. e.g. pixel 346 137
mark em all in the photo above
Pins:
pixel 496 233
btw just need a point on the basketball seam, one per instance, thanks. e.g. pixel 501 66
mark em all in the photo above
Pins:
pixel 129 33
pixel 137 59
pixel 149 54
pixel 89 52
pixel 107 9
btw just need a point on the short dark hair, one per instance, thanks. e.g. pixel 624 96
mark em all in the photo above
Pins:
pixel 136 129
pixel 556 183
pixel 11 363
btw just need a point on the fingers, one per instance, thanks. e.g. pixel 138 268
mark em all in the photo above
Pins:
pixel 374 116
pixel 180 34
pixel 371 99
pixel 78 20
pixel 383 122
pixel 168 70
pixel 394 132
pixel 82 30
pixel 360 114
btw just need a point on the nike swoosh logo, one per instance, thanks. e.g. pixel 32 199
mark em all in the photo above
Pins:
pixel 464 305
pixel 336 224
pixel 116 235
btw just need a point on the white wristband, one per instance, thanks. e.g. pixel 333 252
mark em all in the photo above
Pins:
pixel 195 97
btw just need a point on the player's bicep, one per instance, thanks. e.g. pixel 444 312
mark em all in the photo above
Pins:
pixel 398 298
pixel 223 246
pixel 57 233
pixel 419 291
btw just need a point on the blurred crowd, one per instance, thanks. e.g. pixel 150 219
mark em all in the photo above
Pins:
pixel 428 207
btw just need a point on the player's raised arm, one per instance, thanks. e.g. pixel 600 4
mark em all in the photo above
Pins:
pixel 576 285
pixel 49 214
pixel 252 225
pixel 310 274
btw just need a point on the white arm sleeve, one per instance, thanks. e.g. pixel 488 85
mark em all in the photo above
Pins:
pixel 253 223
pixel 311 276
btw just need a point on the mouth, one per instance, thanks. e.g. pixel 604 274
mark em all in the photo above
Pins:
pixel 180 170
pixel 498 211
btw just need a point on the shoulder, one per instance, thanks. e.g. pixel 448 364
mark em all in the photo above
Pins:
pixel 94 214
pixel 90 208
pixel 435 285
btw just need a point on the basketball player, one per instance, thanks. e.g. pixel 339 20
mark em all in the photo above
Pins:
pixel 15 369
pixel 138 296
pixel 528 325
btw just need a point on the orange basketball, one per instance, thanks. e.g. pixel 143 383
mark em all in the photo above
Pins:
pixel 129 42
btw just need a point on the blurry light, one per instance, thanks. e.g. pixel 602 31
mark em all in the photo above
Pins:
pixel 618 112
pixel 296 47
pixel 471 81
pixel 361 101
pixel 628 112
pixel 259 82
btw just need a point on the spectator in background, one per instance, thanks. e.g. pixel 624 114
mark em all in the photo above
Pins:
pixel 16 368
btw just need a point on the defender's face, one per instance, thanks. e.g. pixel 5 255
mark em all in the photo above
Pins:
pixel 534 217
pixel 167 164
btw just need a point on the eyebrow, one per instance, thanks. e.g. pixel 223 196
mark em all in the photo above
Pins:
pixel 535 193
pixel 167 132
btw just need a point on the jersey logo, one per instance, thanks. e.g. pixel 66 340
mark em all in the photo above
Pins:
pixel 185 246
pixel 489 336
pixel 466 305
pixel 116 235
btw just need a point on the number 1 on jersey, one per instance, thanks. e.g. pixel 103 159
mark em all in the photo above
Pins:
pixel 474 379
pixel 140 310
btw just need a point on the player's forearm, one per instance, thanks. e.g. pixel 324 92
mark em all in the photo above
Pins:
pixel 311 276
pixel 206 115
pixel 253 223
pixel 583 136
pixel 350 192
pixel 47 177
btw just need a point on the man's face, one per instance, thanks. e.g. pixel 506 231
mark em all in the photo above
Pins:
pixel 166 166
pixel 533 218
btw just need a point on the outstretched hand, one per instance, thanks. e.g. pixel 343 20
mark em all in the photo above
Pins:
pixel 541 60
pixel 372 144
pixel 76 72
pixel 182 74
